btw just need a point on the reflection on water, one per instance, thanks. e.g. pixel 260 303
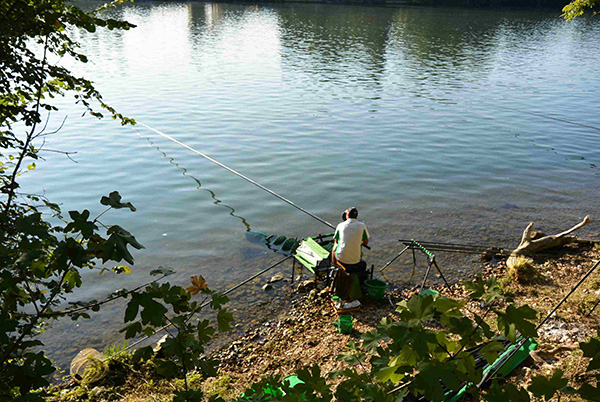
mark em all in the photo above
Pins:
pixel 413 115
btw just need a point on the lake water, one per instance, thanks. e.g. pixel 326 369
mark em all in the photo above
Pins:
pixel 438 124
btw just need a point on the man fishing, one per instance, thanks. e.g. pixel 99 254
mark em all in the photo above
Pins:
pixel 350 236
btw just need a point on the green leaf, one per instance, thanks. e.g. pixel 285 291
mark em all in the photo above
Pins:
pixel 166 271
pixel 371 339
pixel 517 319
pixel 417 310
pixel 589 392
pixel 153 312
pixel 354 355
pixel 208 367
pixel 166 368
pixel 73 279
pixel 132 330
pixel 487 290
pixel 218 300
pixel 115 248
pixel 205 332
pixel 144 353
pixel 484 326
pixel 389 374
pixel 223 320
pixel 114 200
pixel 313 383
pixel 132 308
pixel 591 349
pixel 506 393
pixel 547 387
pixel 491 351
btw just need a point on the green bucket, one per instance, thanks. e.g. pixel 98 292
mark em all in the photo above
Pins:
pixel 375 288
pixel 344 324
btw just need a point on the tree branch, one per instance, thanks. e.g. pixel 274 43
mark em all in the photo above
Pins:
pixel 23 153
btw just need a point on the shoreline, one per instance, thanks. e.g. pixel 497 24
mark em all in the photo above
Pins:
pixel 303 335
pixel 447 225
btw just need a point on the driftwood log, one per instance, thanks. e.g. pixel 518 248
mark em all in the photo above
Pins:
pixel 530 244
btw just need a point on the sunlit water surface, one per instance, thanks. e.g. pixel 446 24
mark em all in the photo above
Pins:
pixel 429 120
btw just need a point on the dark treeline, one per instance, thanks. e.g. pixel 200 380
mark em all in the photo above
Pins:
pixel 458 3
pixel 490 3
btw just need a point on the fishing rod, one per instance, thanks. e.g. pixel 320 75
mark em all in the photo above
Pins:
pixel 249 180
pixel 456 248
pixel 518 346
pixel 475 246
pixel 206 303
pixel 164 328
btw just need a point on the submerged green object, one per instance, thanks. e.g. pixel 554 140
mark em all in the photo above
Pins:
pixel 275 243
pixel 257 237
pixel 289 244
pixel 279 240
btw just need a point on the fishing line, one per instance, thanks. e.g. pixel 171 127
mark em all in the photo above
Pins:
pixel 199 186
pixel 249 180
pixel 547 117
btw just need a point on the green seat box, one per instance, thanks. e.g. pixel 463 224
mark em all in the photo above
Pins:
pixel 312 255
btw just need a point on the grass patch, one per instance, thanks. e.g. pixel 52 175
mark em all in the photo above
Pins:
pixel 114 349
pixel 521 270
pixel 221 386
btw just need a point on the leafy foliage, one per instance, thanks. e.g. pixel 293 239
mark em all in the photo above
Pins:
pixel 170 307
pixel 547 387
pixel 591 349
pixel 428 352
pixel 40 262
pixel 40 265
pixel 488 290
pixel 507 392
pixel 576 8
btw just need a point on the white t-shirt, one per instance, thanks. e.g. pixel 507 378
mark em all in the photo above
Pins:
pixel 350 235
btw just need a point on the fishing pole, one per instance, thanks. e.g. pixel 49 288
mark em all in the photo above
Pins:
pixel 249 180
pixel 164 328
pixel 457 246
pixel 522 342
